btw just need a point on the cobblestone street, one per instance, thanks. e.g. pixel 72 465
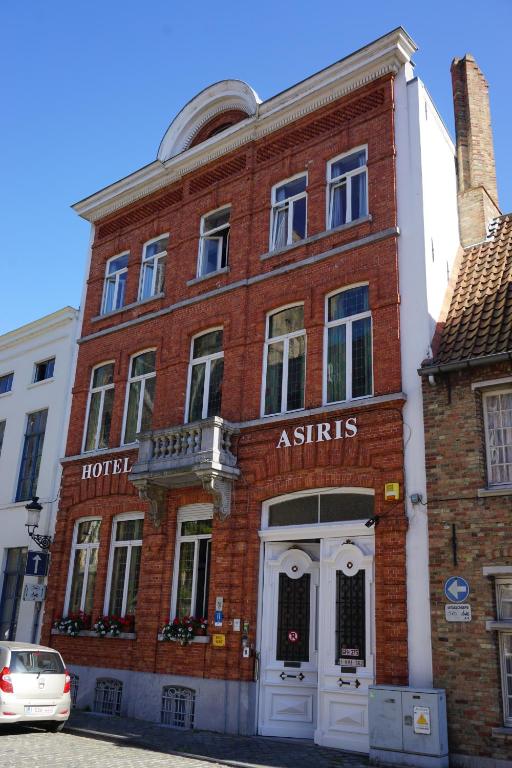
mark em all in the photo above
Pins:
pixel 106 742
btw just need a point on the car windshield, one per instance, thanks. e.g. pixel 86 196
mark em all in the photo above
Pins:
pixel 36 662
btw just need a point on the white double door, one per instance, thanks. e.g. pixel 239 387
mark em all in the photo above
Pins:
pixel 317 641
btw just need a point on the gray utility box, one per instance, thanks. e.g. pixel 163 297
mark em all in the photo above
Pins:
pixel 408 726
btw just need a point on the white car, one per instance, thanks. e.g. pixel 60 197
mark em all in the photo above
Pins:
pixel 34 686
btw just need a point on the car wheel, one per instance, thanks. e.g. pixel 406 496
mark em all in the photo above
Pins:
pixel 55 726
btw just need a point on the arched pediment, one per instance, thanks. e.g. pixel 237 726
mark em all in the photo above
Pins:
pixel 233 97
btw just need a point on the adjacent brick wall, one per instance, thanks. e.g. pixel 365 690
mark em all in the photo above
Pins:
pixel 466 659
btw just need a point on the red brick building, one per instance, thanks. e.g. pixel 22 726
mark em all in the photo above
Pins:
pixel 247 345
pixel 467 389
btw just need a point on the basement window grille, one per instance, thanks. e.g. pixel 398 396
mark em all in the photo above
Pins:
pixel 178 706
pixel 107 696
pixel 75 680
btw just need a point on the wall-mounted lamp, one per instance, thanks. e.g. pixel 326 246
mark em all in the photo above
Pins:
pixel 372 521
pixel 34 510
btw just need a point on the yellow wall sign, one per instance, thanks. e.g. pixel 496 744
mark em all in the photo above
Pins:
pixel 219 641
pixel 391 492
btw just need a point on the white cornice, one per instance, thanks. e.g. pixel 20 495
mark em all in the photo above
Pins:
pixel 40 327
pixel 384 56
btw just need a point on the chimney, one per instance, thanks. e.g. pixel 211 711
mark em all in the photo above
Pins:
pixel 476 170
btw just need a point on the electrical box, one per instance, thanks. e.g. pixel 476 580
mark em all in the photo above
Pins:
pixel 408 726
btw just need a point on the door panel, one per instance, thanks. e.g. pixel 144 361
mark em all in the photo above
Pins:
pixel 346 663
pixel 289 652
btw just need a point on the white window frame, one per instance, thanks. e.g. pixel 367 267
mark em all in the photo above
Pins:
pixel 142 378
pixel 333 183
pixel 185 514
pixel 286 339
pixel 102 389
pixel 74 548
pixel 485 395
pixel 130 544
pixel 347 321
pixel 113 277
pixel 160 256
pixel 504 627
pixel 209 234
pixel 40 362
pixel 207 359
pixel 289 202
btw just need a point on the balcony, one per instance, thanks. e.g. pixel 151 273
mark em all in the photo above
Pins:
pixel 186 455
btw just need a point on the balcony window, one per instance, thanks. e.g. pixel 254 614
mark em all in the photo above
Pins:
pixel 205 376
pixel 140 395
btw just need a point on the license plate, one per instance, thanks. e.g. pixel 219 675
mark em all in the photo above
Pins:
pixel 39 710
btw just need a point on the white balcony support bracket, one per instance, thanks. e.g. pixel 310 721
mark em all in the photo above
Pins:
pixel 156 495
pixel 220 489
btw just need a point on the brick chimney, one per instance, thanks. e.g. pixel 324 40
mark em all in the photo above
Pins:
pixel 476 171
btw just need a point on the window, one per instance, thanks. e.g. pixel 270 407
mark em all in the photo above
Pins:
pixel 347 188
pixel 6 383
pixel 31 456
pixel 178 705
pixel 214 242
pixel 124 566
pixel 116 273
pixel 321 508
pixel 205 376
pixel 108 694
pixel 44 370
pixel 498 431
pixel 14 573
pixel 192 571
pixel 2 431
pixel 99 409
pixel 288 212
pixel 284 361
pixel 140 395
pixel 348 345
pixel 504 617
pixel 84 565
pixel 153 267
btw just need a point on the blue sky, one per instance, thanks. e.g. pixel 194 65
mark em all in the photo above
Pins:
pixel 89 89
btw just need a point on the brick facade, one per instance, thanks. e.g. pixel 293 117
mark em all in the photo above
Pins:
pixel 466 655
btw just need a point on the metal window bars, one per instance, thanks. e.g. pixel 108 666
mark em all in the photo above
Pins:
pixel 178 706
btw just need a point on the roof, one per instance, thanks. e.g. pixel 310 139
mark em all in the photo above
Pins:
pixel 478 325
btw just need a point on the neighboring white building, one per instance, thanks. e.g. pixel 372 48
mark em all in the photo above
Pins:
pixel 36 371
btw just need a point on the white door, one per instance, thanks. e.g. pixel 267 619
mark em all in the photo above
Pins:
pixel 289 647
pixel 346 661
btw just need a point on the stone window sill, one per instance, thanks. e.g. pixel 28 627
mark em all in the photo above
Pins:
pixel 202 278
pixel 498 626
pixel 126 307
pixel 91 633
pixel 483 493
pixel 314 238
pixel 502 733
pixel 204 639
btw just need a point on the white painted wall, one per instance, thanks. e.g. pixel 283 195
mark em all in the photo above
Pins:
pixel 427 247
pixel 51 336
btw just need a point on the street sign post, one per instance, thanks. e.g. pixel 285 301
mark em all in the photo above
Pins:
pixel 37 563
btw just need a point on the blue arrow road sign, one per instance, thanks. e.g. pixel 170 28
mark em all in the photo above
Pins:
pixel 456 589
pixel 37 563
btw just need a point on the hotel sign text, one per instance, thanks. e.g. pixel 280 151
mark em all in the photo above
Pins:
pixel 109 467
pixel 318 433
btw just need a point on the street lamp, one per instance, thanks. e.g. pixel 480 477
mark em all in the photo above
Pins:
pixel 33 514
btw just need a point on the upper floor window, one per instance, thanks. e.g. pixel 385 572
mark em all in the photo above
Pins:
pixel 498 432
pixel 192 569
pixel 205 376
pixel 153 267
pixel 116 273
pixel 2 431
pixel 288 212
pixel 214 242
pixel 83 566
pixel 6 383
pixel 44 370
pixel 31 455
pixel 124 567
pixel 503 588
pixel 347 188
pixel 284 361
pixel 99 408
pixel 140 396
pixel 348 340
